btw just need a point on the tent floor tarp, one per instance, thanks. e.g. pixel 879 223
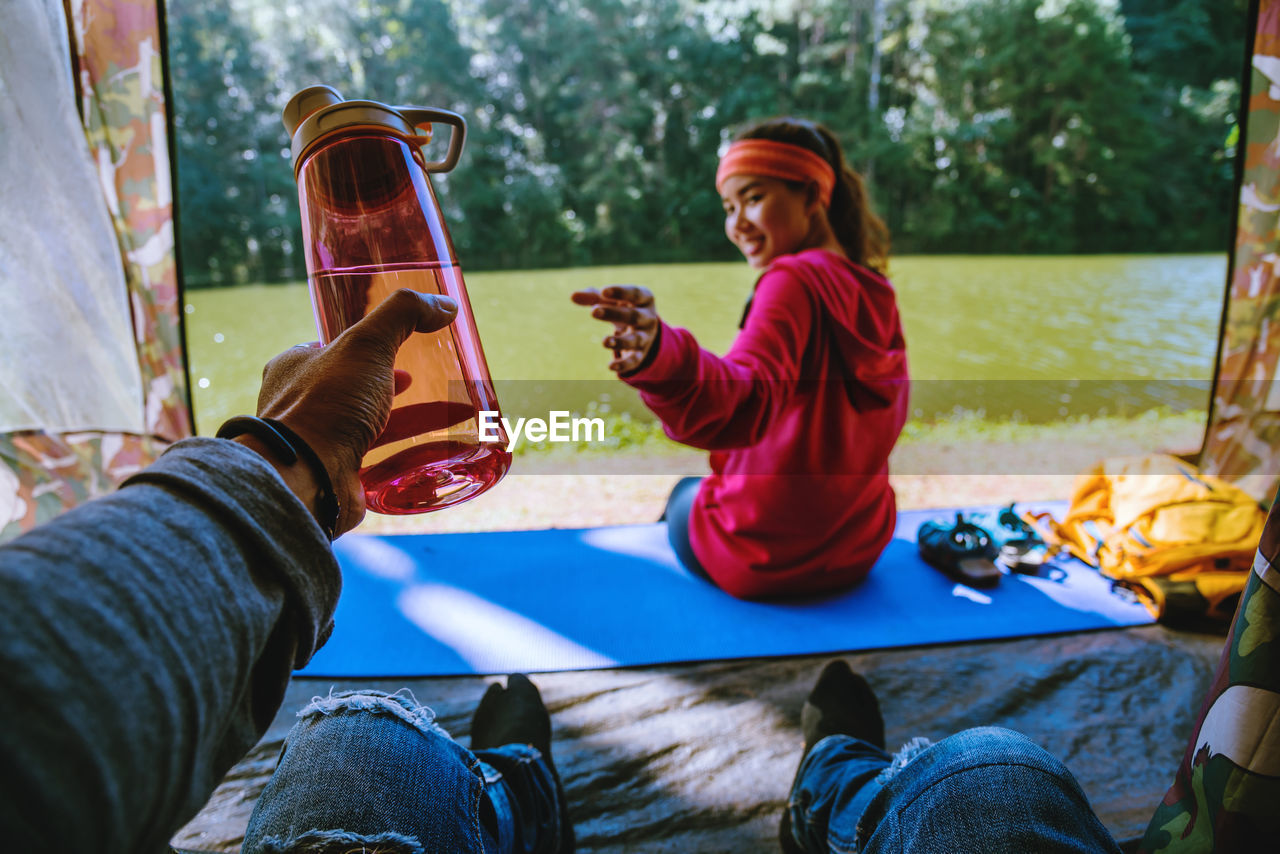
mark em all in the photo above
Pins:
pixel 698 757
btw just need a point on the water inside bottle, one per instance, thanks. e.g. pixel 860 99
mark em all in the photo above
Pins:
pixel 430 455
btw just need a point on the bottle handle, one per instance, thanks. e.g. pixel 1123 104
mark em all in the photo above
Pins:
pixel 418 116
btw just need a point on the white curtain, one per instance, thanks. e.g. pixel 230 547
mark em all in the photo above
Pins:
pixel 67 356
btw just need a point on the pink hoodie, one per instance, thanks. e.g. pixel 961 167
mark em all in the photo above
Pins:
pixel 800 416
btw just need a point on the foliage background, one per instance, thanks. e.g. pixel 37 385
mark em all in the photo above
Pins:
pixel 1004 126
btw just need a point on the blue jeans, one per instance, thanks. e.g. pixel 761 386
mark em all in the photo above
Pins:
pixel 369 768
pixel 679 505
pixel 987 789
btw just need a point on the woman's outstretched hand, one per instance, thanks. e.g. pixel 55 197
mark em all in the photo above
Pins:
pixel 635 321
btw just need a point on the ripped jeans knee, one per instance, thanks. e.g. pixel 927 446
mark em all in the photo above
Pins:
pixel 373 772
pixel 984 789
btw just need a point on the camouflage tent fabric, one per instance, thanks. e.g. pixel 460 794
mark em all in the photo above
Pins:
pixel 116 48
pixel 1227 787
pixel 1243 434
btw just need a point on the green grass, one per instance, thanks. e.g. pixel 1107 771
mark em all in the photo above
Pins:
pixel 972 325
pixel 625 433
pixel 975 427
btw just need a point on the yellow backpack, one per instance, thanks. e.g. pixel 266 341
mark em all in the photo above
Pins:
pixel 1182 540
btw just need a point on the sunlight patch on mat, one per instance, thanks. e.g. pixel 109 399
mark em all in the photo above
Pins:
pixel 380 558
pixel 1082 589
pixel 637 541
pixel 489 637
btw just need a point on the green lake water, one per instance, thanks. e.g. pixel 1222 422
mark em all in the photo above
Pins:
pixel 1027 337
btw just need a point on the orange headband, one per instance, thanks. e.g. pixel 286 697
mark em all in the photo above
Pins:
pixel 777 160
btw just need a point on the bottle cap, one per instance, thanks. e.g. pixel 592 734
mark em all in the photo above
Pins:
pixel 306 102
pixel 316 112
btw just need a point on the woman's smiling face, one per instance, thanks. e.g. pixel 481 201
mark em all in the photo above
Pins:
pixel 767 217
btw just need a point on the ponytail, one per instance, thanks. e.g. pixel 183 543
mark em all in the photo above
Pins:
pixel 861 232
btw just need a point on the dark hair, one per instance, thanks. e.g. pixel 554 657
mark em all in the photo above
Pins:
pixel 860 231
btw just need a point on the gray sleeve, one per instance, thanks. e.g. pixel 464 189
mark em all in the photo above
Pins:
pixel 146 639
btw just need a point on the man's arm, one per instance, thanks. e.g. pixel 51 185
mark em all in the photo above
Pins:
pixel 146 638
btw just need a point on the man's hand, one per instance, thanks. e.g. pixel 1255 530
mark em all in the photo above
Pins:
pixel 338 397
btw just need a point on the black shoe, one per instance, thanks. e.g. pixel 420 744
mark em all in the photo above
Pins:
pixel 964 551
pixel 515 714
pixel 841 703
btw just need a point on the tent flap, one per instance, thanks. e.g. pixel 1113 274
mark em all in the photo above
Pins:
pixel 116 57
pixel 1242 441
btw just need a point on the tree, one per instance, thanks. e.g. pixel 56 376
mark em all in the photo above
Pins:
pixel 1024 118
pixel 594 125
pixel 233 203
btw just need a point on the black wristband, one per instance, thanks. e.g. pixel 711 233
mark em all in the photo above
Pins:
pixel 289 447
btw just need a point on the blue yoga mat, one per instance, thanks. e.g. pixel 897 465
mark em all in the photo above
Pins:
pixel 451 604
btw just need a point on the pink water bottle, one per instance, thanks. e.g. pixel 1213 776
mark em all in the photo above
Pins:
pixel 372 225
